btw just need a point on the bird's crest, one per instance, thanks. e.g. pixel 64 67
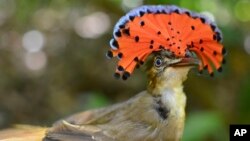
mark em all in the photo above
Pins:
pixel 148 29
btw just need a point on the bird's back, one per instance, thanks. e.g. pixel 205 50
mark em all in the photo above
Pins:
pixel 143 117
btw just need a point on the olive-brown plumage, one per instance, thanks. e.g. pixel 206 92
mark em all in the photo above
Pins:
pixel 178 39
pixel 156 114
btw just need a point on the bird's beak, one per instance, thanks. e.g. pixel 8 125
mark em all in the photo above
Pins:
pixel 188 61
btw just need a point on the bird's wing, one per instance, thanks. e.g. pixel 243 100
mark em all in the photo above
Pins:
pixel 71 132
pixel 102 124
pixel 82 126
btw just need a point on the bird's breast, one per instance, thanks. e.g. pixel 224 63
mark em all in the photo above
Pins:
pixel 175 101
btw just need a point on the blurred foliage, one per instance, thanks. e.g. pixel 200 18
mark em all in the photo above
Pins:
pixel 201 124
pixel 52 63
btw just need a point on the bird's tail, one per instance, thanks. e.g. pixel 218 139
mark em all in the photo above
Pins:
pixel 23 133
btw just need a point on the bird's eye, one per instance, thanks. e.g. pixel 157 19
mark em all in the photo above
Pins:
pixel 158 62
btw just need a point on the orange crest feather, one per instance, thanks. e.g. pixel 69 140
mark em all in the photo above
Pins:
pixel 153 28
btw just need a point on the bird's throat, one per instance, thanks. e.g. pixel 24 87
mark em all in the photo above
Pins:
pixel 168 80
pixel 168 87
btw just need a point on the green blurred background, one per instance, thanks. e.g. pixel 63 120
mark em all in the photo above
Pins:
pixel 52 63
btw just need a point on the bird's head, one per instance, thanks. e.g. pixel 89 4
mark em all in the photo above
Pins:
pixel 169 71
pixel 174 33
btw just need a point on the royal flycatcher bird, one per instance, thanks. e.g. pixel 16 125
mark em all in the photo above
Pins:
pixel 156 114
pixel 178 40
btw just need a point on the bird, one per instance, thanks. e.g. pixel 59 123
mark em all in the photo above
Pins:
pixel 172 40
pixel 155 114
pixel 178 40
